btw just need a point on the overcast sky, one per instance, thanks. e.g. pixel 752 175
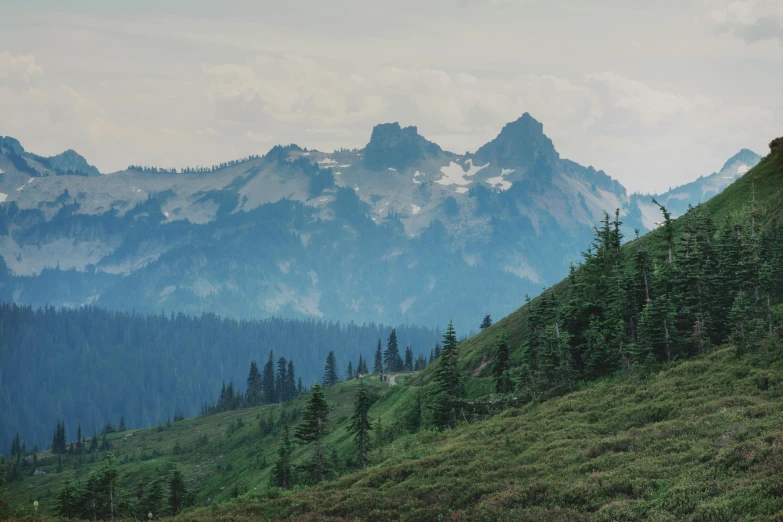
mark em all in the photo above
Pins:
pixel 654 93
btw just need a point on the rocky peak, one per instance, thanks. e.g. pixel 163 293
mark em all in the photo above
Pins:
pixel 520 143
pixel 392 146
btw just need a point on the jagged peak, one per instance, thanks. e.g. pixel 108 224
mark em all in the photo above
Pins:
pixel 746 156
pixel 520 143
pixel 393 146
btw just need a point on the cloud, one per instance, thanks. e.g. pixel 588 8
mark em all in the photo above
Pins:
pixel 260 138
pixel 18 67
pixel 750 20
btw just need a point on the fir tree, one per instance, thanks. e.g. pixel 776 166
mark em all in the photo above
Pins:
pixel 108 478
pixel 378 365
pixel 177 491
pixel 391 356
pixel 282 380
pixel 486 323
pixel 270 389
pixel 122 425
pixel 330 370
pixel 349 371
pixel 312 429
pixel 253 393
pixel 291 391
pixel 281 476
pixel 152 502
pixel 449 396
pixel 360 425
pixel 408 366
pixel 500 366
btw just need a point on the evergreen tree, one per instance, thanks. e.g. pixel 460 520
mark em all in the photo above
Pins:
pixel 360 425
pixel 448 400
pixel 313 429
pixel 253 395
pixel 291 391
pixel 282 380
pixel 437 350
pixel 378 366
pixel 177 491
pixel 330 370
pixel 79 440
pixel 486 323
pixel 109 475
pixel 281 476
pixel 152 502
pixel 391 356
pixel 122 425
pixel 269 387
pixel 408 366
pixel 361 368
pixel 349 371
pixel 94 442
pixel 3 501
pixel 500 367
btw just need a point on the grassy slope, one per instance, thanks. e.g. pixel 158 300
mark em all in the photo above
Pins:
pixel 226 459
pixel 735 202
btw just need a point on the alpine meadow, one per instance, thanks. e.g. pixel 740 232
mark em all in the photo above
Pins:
pixel 203 319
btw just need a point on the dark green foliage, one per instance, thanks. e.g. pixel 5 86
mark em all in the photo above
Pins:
pixel 361 368
pixel 3 501
pixel 178 493
pixel 450 393
pixel 360 426
pixel 486 323
pixel 283 392
pixel 500 366
pixel 392 362
pixel 349 371
pixel 378 365
pixel 153 500
pixel 123 427
pixel 58 439
pixel 102 364
pixel 253 392
pixel 312 429
pixel 269 386
pixel 330 370
pixel 408 364
pixel 281 476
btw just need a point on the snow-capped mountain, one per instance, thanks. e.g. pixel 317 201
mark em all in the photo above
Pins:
pixel 400 230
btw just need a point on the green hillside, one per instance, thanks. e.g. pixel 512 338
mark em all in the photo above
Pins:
pixel 646 386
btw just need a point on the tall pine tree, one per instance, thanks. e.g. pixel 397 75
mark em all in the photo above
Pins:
pixel 312 429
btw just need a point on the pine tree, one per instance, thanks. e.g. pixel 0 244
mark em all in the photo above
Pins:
pixel 79 440
pixel 330 370
pixel 282 379
pixel 269 387
pixel 361 368
pixel 378 366
pixel 291 381
pixel 177 491
pixel 360 425
pixel 122 425
pixel 253 393
pixel 449 382
pixel 108 479
pixel 408 366
pixel 349 371
pixel 486 323
pixel 500 367
pixel 152 502
pixel 94 442
pixel 313 429
pixel 391 356
pixel 281 476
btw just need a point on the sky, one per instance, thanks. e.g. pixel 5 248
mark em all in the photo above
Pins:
pixel 653 93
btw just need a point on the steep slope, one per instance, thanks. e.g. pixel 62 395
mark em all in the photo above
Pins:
pixel 760 183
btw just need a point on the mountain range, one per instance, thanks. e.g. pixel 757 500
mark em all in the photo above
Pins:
pixel 400 231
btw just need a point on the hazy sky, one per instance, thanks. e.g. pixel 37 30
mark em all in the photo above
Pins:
pixel 654 93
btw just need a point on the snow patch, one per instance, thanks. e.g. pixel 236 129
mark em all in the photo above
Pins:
pixel 454 174
pixel 343 166
pixel 462 190
pixel 407 304
pixel 392 169
pixel 166 214
pixel 742 168
pixel 415 209
pixel 3 197
pixel 23 186
pixel 327 161
pixel 499 181
pixel 337 173
pixel 2 171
